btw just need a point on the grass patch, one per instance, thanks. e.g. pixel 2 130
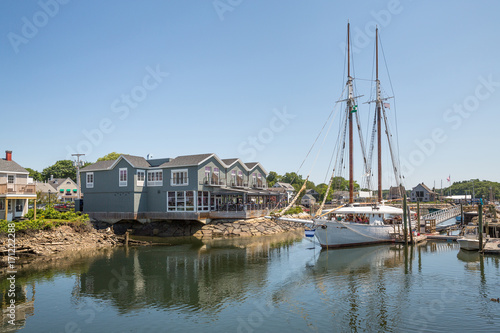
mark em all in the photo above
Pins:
pixel 47 219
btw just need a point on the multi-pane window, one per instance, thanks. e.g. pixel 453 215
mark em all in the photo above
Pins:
pixel 233 177
pixel 180 201
pixel 203 201
pixel 155 178
pixel 90 179
pixel 215 176
pixel 240 178
pixel 123 177
pixel 208 170
pixel 179 177
pixel 141 176
pixel 11 179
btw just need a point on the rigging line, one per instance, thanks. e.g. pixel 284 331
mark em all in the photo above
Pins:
pixel 363 149
pixel 394 101
pixel 359 79
pixel 319 134
pixel 324 139
pixel 334 151
pixel 394 164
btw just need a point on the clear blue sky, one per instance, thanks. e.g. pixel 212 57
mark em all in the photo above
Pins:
pixel 223 69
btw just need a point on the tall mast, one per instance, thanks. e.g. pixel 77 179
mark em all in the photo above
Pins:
pixel 350 106
pixel 379 121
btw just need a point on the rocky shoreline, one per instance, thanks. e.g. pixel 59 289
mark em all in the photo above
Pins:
pixel 252 227
pixel 49 244
pixel 65 240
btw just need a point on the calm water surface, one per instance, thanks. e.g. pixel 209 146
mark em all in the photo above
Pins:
pixel 265 284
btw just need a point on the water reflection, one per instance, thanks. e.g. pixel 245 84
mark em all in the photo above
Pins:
pixel 193 276
pixel 375 288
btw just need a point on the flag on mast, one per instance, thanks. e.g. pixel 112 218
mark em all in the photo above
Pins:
pixel 448 179
pixel 387 105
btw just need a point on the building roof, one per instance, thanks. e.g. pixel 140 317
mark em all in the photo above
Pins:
pixel 158 161
pixel 44 187
pixel 56 182
pixel 11 166
pixel 424 187
pixel 187 160
pixel 251 165
pixel 136 161
pixel 308 197
pixel 179 161
pixel 229 161
pixel 101 165
pixel 286 186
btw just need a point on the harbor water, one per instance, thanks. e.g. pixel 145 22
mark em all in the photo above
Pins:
pixel 261 284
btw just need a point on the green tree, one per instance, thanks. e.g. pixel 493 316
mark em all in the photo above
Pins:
pixel 480 188
pixel 61 169
pixel 35 174
pixel 110 157
pixel 272 178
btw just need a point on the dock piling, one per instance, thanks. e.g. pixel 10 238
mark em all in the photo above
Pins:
pixel 480 212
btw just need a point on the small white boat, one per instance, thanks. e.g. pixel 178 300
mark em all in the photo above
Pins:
pixel 470 239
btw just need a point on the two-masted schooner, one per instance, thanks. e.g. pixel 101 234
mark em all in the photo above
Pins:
pixel 356 224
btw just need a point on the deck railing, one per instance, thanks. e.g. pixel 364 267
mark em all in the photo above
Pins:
pixel 213 182
pixel 17 189
pixel 259 184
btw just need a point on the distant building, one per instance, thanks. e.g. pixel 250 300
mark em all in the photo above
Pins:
pixel 286 188
pixel 308 200
pixel 191 187
pixel 396 192
pixel 313 193
pixel 422 193
pixel 340 196
pixel 44 190
pixel 65 189
pixel 14 189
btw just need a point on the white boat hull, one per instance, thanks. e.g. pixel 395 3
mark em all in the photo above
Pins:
pixel 333 234
pixel 468 244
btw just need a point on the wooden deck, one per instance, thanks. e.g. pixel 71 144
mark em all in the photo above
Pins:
pixel 492 246
pixel 442 237
pixel 144 217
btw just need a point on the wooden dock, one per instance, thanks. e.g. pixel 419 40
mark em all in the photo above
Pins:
pixel 399 238
pixel 442 237
pixel 492 246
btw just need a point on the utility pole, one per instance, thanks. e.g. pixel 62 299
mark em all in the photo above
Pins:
pixel 78 174
pixel 473 192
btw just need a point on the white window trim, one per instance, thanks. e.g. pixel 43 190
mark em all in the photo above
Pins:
pixel 140 182
pixel 122 183
pixel 154 182
pixel 176 171
pixel 14 178
pixel 88 184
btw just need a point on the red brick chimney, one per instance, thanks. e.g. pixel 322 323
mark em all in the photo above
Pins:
pixel 8 155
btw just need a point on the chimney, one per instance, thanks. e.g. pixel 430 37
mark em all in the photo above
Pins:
pixel 51 177
pixel 8 155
